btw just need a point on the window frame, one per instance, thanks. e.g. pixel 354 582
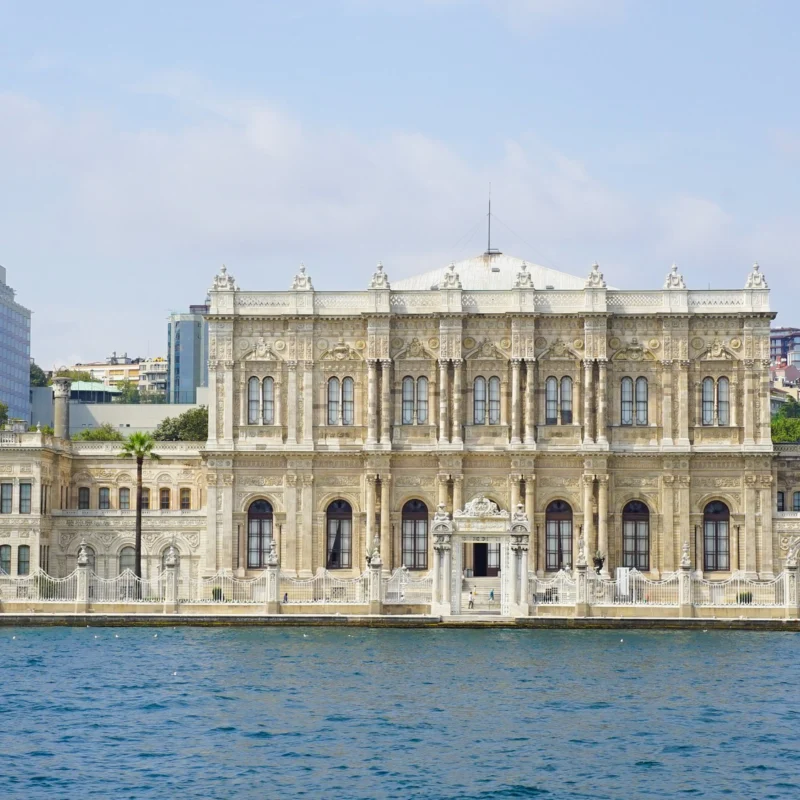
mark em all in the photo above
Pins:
pixel 260 531
pixel 5 559
pixel 414 534
pixel 479 400
pixel 565 400
pixel 339 528
pixel 636 536
pixel 145 498
pixel 707 401
pixel 407 401
pixel 253 395
pixel 716 532
pixel 185 498
pixel 268 401
pixel 422 400
pixel 25 550
pixel 780 501
pixel 127 553
pixel 164 492
pixel 348 401
pixel 626 404
pixel 334 389
pixel 25 497
pixel 640 403
pixel 104 498
pixel 124 498
pixel 84 498
pixel 559 533
pixel 493 405
pixel 551 400
pixel 795 501
pixel 6 497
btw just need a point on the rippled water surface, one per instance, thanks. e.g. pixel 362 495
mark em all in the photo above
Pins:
pixel 337 713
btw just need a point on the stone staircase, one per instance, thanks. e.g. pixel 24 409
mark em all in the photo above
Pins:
pixel 483 588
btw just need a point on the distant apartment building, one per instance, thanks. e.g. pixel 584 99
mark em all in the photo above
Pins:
pixel 15 352
pixel 187 354
pixel 153 375
pixel 115 369
pixel 784 346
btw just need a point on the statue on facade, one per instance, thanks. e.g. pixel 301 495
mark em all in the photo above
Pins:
pixel 519 514
pixel 441 514
pixel 223 282
pixel 380 280
pixel 451 279
pixel 524 278
pixel 674 279
pixel 685 560
pixel 302 282
pixel 595 279
pixel 756 279
pixel 582 562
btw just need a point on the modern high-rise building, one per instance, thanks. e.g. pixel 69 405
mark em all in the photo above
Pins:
pixel 187 354
pixel 15 353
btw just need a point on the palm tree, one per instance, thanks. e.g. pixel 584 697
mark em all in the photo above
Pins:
pixel 139 446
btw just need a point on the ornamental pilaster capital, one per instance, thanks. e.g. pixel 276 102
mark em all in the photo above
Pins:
pixel 458 363
pixel 458 479
pixel 291 480
pixel 308 480
pixel 372 479
pixel 666 362
pixel 751 481
pixel 515 362
pixel 443 477
pixel 385 477
pixel 588 480
pixel 386 362
pixel 602 481
pixel 443 363
pixel 291 366
pixel 685 363
pixel 668 480
pixel 373 362
pixel 684 481
pixel 515 476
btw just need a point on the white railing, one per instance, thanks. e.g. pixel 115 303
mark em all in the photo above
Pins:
pixel 633 589
pixel 325 588
pixel 126 588
pixel 738 591
pixel 224 588
pixel 40 586
pixel 557 591
pixel 400 587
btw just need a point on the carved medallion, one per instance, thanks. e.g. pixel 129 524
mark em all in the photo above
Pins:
pixel 433 343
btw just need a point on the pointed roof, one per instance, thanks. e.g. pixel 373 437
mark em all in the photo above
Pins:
pixel 494 271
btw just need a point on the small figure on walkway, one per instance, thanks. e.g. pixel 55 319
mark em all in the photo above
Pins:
pixel 491 595
pixel 471 599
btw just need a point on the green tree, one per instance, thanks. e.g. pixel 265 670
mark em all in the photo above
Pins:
pixel 191 426
pixel 785 429
pixel 46 429
pixel 790 409
pixel 129 393
pixel 38 377
pixel 3 413
pixel 139 446
pixel 75 374
pixel 152 397
pixel 105 433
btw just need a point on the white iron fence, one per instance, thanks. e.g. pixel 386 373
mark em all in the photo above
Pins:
pixel 224 588
pixel 126 588
pixel 39 586
pixel 325 588
pixel 633 589
pixel 400 587
pixel 560 590
pixel 739 591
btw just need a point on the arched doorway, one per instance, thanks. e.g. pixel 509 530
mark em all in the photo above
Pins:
pixel 339 550
pixel 259 533
pixel 558 536
pixel 636 536
pixel 716 537
pixel 415 535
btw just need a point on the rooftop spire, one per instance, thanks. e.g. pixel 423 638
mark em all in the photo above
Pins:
pixel 489 250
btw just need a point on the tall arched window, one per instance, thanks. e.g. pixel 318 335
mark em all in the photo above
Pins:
pixel 551 401
pixel 566 401
pixel 716 536
pixel 124 498
pixel 494 401
pixel 340 535
pixel 708 401
pixel 723 402
pixel 268 405
pixel 408 400
pixel 259 533
pixel 127 559
pixel 558 528
pixel 636 536
pixel 422 400
pixel 23 559
pixel 252 401
pixel 5 559
pixel 641 401
pixel 348 402
pixel 415 535
pixel 479 401
pixel 626 401
pixel 333 401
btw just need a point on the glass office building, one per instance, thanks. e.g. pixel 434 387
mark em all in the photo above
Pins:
pixel 187 354
pixel 15 353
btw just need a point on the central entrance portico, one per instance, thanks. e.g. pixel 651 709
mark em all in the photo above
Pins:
pixel 480 522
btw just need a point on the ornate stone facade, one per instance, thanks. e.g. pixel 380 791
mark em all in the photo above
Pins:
pixel 484 382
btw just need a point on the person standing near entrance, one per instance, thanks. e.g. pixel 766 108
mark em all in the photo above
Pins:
pixel 471 599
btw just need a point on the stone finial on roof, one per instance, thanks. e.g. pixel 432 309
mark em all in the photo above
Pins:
pixel 451 279
pixel 524 278
pixel 674 279
pixel 223 282
pixel 302 282
pixel 595 279
pixel 756 279
pixel 380 280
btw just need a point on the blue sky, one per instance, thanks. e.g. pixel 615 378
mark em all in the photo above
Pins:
pixel 142 146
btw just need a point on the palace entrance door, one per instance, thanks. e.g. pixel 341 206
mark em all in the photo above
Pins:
pixel 485 559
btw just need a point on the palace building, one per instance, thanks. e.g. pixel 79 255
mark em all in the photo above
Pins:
pixel 634 422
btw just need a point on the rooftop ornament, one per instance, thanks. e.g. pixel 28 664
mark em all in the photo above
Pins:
pixel 302 282
pixel 380 280
pixel 451 279
pixel 223 282
pixel 595 279
pixel 524 278
pixel 674 279
pixel 756 279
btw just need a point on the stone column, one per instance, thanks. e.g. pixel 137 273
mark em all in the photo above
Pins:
pixel 581 591
pixel 436 593
pixel 514 492
pixel 82 589
pixel 765 415
pixel 588 402
pixel 369 486
pixel 61 389
pixel 278 403
pixel 458 368
pixel 767 566
pixel 244 389
pixel 213 433
pixel 667 523
pixel 602 400
pixel 291 429
pixel 790 595
pixel 288 553
pixel 602 521
pixel 386 402
pixel 515 403
pixel 443 493
pixel 372 401
pixel 458 492
pixel 386 522
pixel 306 531
pixel 683 395
pixel 308 404
pixel 749 438
pixel 588 517
pixel 666 404
pixel 272 589
pixel 685 583
pixel 443 403
pixel 227 411
pixel 530 510
pixel 446 573
pixel 242 548
pixel 170 582
pixel 212 504
pixel 530 390
pixel 226 540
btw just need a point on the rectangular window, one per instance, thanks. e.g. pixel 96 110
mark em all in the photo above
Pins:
pixel 796 501
pixel 551 402
pixel 408 401
pixel 348 402
pixel 164 499
pixel 5 498
pixel 626 398
pixel 104 498
pixel 186 499
pixel 83 498
pixel 145 499
pixel 415 543
pixel 5 559
pixel 24 498
pixel 781 501
pixel 340 533
pixel 23 560
pixel 558 545
pixel 717 556
pixel 636 544
pixel 124 498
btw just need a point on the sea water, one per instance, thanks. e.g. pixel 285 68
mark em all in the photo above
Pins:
pixel 360 713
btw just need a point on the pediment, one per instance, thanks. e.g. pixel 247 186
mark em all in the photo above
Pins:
pixel 415 350
pixel 341 352
pixel 262 352
pixel 560 351
pixel 633 352
pixel 486 350
pixel 717 352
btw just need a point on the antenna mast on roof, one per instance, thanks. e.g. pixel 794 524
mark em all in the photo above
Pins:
pixel 489 250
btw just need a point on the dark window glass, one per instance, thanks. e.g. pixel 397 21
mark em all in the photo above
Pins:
pixel 479 401
pixel 5 559
pixel 566 401
pixel 408 400
pixel 558 530
pixel 626 395
pixel 23 560
pixel 333 401
pixel 186 499
pixel 716 536
pixel 252 401
pixel 5 498
pixel 127 559
pixel 636 536
pixel 781 501
pixel 125 498
pixel 164 499
pixel 348 402
pixel 708 401
pixel 422 401
pixel 641 401
pixel 494 401
pixel 551 401
pixel 83 497
pixel 104 498
pixel 145 499
pixel 340 535
pixel 24 498
pixel 723 402
pixel 415 535
pixel 268 414
pixel 259 533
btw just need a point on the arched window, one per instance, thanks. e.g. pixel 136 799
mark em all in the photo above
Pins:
pixel 164 558
pixel 268 406
pixel 333 401
pixel 796 501
pixel 551 401
pixel 124 498
pixel 127 559
pixel 494 401
pixel 566 401
pixel 259 533
pixel 348 402
pixel 340 535
pixel 415 535
pixel 723 402
pixel 558 527
pixel 5 559
pixel 422 400
pixel 716 536
pixel 708 401
pixel 626 405
pixel 252 401
pixel 641 401
pixel 781 501
pixel 636 536
pixel 408 400
pixel 104 498
pixel 479 401
pixel 23 559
